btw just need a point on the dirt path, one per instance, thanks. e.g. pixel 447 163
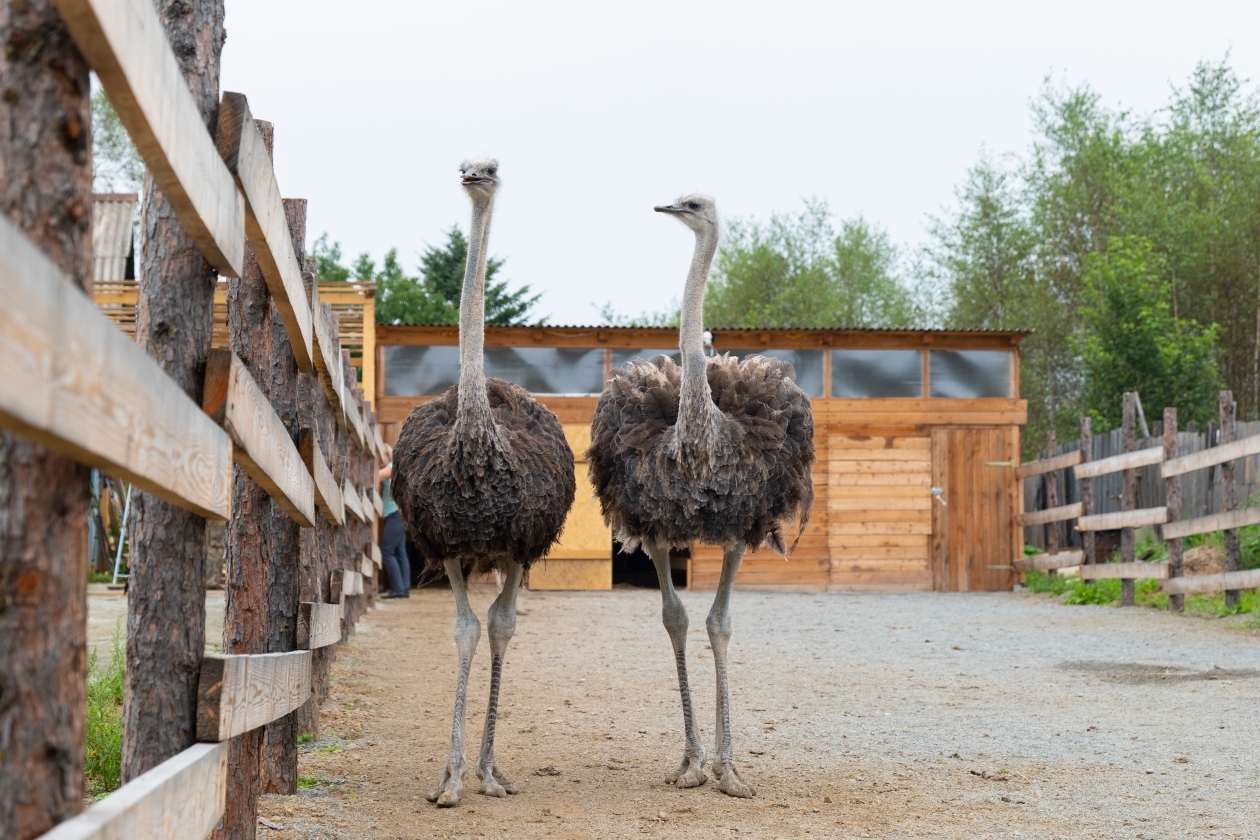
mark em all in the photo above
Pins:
pixel 957 716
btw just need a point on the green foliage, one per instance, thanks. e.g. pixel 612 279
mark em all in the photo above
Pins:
pixel 798 271
pixel 1101 592
pixel 308 782
pixel 116 165
pixel 669 317
pixel 1135 343
pixel 434 296
pixel 1044 583
pixel 103 753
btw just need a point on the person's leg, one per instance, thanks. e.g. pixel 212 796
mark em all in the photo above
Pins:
pixel 392 552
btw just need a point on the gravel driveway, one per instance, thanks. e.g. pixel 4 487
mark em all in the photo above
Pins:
pixel 865 715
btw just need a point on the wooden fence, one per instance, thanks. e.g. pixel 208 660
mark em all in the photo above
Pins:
pixel 77 384
pixel 1121 483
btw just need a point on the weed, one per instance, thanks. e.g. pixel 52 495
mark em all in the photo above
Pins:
pixel 1048 584
pixel 331 748
pixel 308 782
pixel 103 753
pixel 305 738
pixel 100 577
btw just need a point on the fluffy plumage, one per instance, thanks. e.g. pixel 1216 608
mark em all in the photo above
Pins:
pixel 489 492
pixel 741 484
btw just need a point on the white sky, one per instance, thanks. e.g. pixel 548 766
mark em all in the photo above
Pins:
pixel 598 111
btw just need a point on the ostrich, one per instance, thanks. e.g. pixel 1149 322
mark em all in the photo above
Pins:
pixel 483 478
pixel 718 452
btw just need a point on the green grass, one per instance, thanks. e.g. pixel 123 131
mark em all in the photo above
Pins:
pixel 310 781
pixel 331 748
pixel 305 738
pixel 103 755
pixel 100 577
pixel 1044 583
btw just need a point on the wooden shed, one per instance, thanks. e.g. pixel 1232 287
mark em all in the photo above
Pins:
pixel 917 434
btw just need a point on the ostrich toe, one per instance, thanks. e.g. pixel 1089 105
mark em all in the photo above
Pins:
pixel 495 783
pixel 688 775
pixel 450 790
pixel 731 784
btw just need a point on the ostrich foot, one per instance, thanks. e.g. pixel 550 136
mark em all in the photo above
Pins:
pixel 495 783
pixel 449 791
pixel 688 775
pixel 730 782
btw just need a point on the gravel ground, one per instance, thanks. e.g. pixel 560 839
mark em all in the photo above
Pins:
pixel 889 716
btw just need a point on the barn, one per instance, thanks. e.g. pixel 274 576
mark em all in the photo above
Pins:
pixel 917 434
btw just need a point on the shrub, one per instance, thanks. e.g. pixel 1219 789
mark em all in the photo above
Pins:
pixel 103 755
pixel 1045 583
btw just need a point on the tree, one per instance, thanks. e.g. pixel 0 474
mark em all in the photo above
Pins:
pixel 116 165
pixel 434 296
pixel 1135 343
pixel 797 271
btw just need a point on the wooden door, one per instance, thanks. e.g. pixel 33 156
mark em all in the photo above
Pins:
pixel 973 531
pixel 582 558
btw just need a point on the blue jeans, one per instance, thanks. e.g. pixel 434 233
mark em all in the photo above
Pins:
pixel 394 554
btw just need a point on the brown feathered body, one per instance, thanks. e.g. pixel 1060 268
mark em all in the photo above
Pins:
pixel 489 491
pixel 742 479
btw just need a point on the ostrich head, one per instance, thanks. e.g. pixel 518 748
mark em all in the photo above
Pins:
pixel 480 177
pixel 697 212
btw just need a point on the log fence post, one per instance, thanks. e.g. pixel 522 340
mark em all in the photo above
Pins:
pixel 1229 494
pixel 1052 498
pixel 1172 493
pixel 1128 497
pixel 1087 489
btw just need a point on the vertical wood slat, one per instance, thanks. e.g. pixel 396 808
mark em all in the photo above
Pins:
pixel 1172 497
pixel 1128 497
pixel 1052 495
pixel 1087 488
pixel 1229 494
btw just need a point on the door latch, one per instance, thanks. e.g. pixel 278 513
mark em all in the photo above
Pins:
pixel 939 494
pixel 999 463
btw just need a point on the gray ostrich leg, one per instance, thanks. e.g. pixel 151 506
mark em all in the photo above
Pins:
pixel 719 626
pixel 674 616
pixel 467 634
pixel 501 624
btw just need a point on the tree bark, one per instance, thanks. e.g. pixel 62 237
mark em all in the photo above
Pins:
pixel 1172 496
pixel 174 321
pixel 1128 496
pixel 46 191
pixel 1087 488
pixel 1052 497
pixel 1229 495
pixel 279 770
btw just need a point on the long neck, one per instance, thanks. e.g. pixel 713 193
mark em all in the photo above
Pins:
pixel 474 405
pixel 694 398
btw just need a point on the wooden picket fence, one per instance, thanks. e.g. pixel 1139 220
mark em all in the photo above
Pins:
pixel 77 384
pixel 1172 465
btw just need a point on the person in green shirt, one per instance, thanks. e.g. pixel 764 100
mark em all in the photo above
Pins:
pixel 393 541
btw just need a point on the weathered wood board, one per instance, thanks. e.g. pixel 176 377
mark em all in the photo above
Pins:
pixel 126 45
pixel 1213 522
pixel 1123 519
pixel 352 500
pixel 1046 562
pixel 1219 582
pixel 327 491
pixel 552 574
pixel 1058 462
pixel 345 583
pixel 327 352
pixel 183 796
pixel 1231 451
pixel 365 503
pixel 246 156
pixel 1125 461
pixel 72 381
pixel 374 551
pixel 319 625
pixel 1124 571
pixel 366 567
pixel 1056 514
pixel 261 445
pixel 237 693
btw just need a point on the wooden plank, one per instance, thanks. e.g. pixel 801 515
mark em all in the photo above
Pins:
pixel 319 625
pixel 377 504
pixel 849 466
pixel 237 693
pixel 922 514
pixel 1046 562
pixel 355 418
pixel 1212 522
pixel 1124 571
pixel 365 503
pixel 126 45
pixel 1209 457
pixel 327 353
pixel 1124 461
pixel 260 443
pixel 850 528
pixel 1123 519
pixel 1058 462
pixel 1055 514
pixel 352 500
pixel 327 491
pixel 77 385
pixel 1219 582
pixel 345 583
pixel 374 551
pixel 183 796
pixel 366 567
pixel 379 443
pixel 246 156
pixel 921 501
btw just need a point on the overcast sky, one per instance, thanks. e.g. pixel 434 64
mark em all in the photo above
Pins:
pixel 597 112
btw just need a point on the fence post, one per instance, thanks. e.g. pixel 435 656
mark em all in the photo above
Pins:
pixel 1052 498
pixel 166 630
pixel 248 551
pixel 1087 488
pixel 1229 494
pixel 1172 492
pixel 1128 497
pixel 46 192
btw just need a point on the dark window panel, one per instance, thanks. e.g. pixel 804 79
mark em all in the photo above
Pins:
pixel 970 373
pixel 622 355
pixel 876 373
pixel 412 371
pixel 808 365
pixel 425 371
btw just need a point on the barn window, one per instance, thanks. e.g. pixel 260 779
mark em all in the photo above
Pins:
pixel 425 371
pixel 808 364
pixel 970 373
pixel 622 355
pixel 876 373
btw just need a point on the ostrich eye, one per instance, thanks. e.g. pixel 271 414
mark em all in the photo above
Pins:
pixel 691 205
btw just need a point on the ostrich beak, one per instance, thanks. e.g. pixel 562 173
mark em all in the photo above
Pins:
pixel 668 208
pixel 474 179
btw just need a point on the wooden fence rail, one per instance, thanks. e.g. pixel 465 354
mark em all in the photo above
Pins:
pixel 77 384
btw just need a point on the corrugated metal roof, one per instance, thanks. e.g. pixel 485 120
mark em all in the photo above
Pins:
pixel 743 329
pixel 111 234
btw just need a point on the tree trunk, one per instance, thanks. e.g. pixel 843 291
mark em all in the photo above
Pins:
pixel 46 191
pixel 1052 497
pixel 279 771
pixel 1128 496
pixel 1172 497
pixel 1087 488
pixel 174 319
pixel 1229 495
